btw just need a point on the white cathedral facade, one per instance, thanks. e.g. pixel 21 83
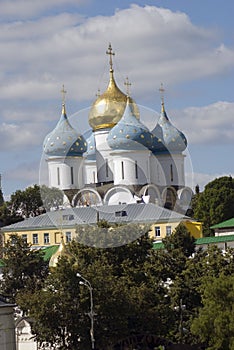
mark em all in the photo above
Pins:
pixel 121 161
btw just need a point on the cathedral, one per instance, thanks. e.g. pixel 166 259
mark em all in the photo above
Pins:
pixel 121 161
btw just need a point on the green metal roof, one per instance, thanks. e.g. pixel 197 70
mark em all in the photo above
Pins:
pixel 215 239
pixel 225 224
pixel 203 240
pixel 49 251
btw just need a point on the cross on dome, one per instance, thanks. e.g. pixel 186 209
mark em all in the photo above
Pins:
pixel 162 90
pixel 63 92
pixel 110 53
pixel 127 84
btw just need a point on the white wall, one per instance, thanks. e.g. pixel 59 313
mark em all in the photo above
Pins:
pixel 60 172
pixel 125 164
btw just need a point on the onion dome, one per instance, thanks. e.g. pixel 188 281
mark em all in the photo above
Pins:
pixel 172 139
pixel 130 133
pixel 62 251
pixel 64 139
pixel 90 154
pixel 109 107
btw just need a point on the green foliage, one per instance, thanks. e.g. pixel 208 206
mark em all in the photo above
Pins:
pixel 1 198
pixel 136 290
pixel 24 268
pixel 180 241
pixel 215 204
pixel 215 322
pixel 26 203
pixel 51 197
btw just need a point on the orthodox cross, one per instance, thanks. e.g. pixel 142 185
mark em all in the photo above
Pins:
pixel 162 90
pixel 63 91
pixel 127 84
pixel 109 52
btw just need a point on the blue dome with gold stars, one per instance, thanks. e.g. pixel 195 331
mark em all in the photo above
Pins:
pixel 90 154
pixel 172 140
pixel 130 133
pixel 64 141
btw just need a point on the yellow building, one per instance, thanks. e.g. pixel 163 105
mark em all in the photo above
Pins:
pixel 45 230
pixel 161 230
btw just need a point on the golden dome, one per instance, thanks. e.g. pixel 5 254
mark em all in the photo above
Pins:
pixel 62 251
pixel 109 107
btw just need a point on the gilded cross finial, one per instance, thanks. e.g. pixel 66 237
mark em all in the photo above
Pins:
pixel 109 52
pixel 127 84
pixel 162 90
pixel 98 93
pixel 63 92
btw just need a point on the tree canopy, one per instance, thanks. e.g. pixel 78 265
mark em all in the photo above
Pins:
pixel 215 204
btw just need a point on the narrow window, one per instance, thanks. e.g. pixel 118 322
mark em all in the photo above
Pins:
pixel 58 176
pixel 25 237
pixel 136 169
pixel 94 177
pixel 35 238
pixel 72 176
pixel 157 231
pixel 122 167
pixel 68 237
pixel 171 168
pixel 46 238
pixel 107 168
pixel 168 230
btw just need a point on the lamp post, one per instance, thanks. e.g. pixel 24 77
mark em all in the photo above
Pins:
pixel 91 313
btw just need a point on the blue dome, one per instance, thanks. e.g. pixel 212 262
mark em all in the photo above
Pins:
pixel 130 133
pixel 90 154
pixel 64 141
pixel 171 139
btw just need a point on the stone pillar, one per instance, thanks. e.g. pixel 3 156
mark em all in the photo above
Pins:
pixel 7 326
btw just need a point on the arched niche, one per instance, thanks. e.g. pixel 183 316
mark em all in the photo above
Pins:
pixel 152 193
pixel 169 197
pixel 87 197
pixel 118 195
pixel 185 196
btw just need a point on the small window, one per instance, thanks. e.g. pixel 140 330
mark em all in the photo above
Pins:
pixel 68 237
pixel 136 169
pixel 35 238
pixel 121 213
pixel 157 231
pixel 122 168
pixel 171 168
pixel 46 238
pixel 168 230
pixel 25 237
pixel 107 168
pixel 58 176
pixel 68 217
pixel 72 176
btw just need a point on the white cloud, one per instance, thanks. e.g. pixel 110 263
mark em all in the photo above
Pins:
pixel 19 136
pixel 208 124
pixel 151 44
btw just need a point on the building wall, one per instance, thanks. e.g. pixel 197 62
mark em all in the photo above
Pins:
pixel 224 231
pixel 54 236
pixel 7 327
pixel 161 230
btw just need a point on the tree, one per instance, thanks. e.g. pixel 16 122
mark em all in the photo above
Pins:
pixel 128 297
pixel 215 322
pixel 51 197
pixel 26 203
pixel 24 268
pixel 215 204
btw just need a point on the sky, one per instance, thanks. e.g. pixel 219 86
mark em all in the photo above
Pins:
pixel 186 45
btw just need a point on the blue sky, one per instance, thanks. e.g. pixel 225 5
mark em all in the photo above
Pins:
pixel 187 45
